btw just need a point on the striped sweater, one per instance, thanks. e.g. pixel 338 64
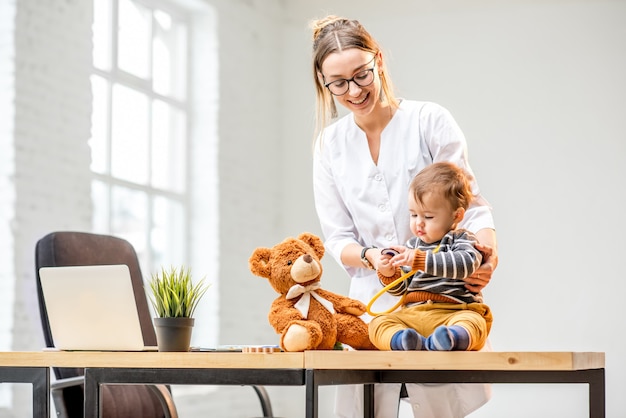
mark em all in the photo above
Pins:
pixel 439 268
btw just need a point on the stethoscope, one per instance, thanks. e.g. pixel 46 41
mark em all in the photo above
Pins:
pixel 392 252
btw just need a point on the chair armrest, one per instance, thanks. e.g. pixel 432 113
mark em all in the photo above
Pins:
pixel 67 382
pixel 56 391
pixel 165 397
pixel 264 398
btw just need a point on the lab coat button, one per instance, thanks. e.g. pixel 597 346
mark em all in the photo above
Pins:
pixel 378 177
pixel 382 208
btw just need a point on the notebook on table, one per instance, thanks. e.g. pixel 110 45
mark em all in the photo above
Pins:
pixel 92 308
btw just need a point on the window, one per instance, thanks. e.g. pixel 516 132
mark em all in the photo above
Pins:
pixel 140 139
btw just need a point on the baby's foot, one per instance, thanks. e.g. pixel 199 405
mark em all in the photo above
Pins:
pixel 449 338
pixel 407 340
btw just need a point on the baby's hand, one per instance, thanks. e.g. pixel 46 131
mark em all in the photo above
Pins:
pixel 400 256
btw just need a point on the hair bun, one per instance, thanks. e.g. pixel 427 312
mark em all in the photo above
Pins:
pixel 319 24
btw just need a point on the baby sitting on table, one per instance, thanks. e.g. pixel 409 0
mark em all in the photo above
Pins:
pixel 439 313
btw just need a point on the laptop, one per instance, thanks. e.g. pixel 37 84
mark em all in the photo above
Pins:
pixel 92 308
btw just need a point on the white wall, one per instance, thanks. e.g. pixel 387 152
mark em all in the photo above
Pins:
pixel 44 180
pixel 538 88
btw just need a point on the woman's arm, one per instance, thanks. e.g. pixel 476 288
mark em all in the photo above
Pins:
pixel 351 256
pixel 489 248
pixel 335 220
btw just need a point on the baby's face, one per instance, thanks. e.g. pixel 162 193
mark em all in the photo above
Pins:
pixel 431 218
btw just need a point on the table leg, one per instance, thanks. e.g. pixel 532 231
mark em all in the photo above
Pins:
pixel 39 377
pixel 596 394
pixel 92 393
pixel 41 392
pixel 368 401
pixel 314 378
pixel 311 390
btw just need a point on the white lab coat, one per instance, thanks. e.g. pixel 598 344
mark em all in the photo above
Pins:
pixel 358 201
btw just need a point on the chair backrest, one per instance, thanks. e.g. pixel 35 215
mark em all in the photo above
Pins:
pixel 68 248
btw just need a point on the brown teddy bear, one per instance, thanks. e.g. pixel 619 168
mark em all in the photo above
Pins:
pixel 306 316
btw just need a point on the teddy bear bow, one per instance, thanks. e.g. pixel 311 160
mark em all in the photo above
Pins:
pixel 305 301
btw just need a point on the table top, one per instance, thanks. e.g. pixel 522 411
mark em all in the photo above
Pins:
pixel 166 360
pixel 452 360
pixel 330 360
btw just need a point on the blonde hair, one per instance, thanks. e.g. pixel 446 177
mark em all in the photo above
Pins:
pixel 335 34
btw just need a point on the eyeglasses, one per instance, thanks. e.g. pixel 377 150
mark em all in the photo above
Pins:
pixel 362 79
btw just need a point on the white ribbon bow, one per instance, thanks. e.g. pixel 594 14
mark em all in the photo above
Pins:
pixel 305 301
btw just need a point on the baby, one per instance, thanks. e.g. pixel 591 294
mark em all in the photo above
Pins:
pixel 438 312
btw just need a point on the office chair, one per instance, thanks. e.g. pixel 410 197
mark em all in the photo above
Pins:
pixel 68 248
pixel 119 401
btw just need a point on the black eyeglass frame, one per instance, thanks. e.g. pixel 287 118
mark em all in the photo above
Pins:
pixel 348 80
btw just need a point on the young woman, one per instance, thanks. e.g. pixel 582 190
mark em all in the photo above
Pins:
pixel 363 164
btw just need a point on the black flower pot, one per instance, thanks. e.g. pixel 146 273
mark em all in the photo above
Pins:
pixel 173 334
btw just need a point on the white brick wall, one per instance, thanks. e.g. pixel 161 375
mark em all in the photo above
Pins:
pixel 250 118
pixel 52 127
pixel 7 169
pixel 45 158
pixel 44 177
pixel 7 191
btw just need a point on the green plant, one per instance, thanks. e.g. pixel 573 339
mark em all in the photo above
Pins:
pixel 173 293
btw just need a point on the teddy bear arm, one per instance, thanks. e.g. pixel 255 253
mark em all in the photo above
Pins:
pixel 282 313
pixel 344 304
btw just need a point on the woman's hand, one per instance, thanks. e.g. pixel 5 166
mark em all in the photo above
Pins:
pixel 482 276
pixel 384 265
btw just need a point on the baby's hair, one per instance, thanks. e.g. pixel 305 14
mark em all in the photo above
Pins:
pixel 447 179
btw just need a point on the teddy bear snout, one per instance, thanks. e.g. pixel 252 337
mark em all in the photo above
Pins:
pixel 305 269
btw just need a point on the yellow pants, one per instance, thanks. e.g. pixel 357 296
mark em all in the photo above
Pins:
pixel 476 318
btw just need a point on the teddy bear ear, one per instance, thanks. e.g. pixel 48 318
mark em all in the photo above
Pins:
pixel 258 262
pixel 314 242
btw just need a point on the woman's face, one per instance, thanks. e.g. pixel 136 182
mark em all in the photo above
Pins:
pixel 357 64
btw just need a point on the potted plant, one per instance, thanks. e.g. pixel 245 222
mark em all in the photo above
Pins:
pixel 174 298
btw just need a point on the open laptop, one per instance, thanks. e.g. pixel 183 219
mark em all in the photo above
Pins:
pixel 92 308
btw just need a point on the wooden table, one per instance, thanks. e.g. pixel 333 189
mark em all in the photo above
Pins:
pixel 457 367
pixel 195 368
pixel 202 368
pixel 311 369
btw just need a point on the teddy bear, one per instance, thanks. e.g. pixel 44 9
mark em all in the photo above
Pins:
pixel 306 316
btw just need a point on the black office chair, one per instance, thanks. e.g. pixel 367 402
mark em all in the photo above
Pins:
pixel 119 401
pixel 67 248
